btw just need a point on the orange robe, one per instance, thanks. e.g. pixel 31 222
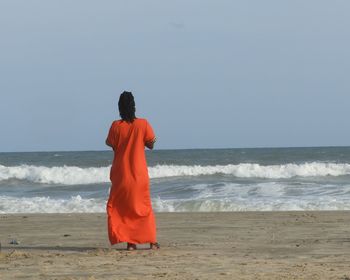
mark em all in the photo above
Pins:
pixel 129 209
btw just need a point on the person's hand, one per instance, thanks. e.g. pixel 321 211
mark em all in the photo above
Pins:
pixel 108 144
pixel 150 144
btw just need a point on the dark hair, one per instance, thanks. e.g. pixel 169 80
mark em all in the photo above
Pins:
pixel 126 106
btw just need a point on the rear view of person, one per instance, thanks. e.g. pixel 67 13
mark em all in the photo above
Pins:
pixel 129 209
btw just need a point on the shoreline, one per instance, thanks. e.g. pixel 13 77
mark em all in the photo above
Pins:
pixel 203 245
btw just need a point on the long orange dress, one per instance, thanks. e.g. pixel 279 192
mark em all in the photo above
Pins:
pixel 129 209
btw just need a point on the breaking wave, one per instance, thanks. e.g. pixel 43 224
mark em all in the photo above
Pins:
pixel 73 175
pixel 77 204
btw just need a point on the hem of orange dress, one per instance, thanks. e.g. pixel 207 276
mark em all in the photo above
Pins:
pixel 133 242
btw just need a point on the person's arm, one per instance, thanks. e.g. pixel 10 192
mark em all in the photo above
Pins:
pixel 149 137
pixel 108 144
pixel 150 144
pixel 111 138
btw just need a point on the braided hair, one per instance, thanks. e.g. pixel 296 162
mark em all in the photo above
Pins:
pixel 126 106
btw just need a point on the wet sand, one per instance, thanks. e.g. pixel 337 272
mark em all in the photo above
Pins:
pixel 249 245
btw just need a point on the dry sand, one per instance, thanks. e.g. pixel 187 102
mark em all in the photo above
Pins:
pixel 250 245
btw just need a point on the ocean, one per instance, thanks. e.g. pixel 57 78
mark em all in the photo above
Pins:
pixel 255 179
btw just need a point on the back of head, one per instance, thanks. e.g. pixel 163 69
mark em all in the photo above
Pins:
pixel 126 106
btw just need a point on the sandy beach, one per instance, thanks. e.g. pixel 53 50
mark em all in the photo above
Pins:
pixel 248 245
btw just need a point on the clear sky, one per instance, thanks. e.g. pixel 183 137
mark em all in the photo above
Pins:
pixel 206 74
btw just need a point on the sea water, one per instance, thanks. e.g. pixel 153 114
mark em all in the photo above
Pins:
pixel 261 179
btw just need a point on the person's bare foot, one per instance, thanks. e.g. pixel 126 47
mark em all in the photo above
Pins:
pixel 154 246
pixel 131 247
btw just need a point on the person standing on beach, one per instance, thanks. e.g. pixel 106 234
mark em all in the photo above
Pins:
pixel 129 209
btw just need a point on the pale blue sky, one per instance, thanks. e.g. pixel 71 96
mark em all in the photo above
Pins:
pixel 207 74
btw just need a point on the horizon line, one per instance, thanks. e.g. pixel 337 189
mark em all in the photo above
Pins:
pixel 184 149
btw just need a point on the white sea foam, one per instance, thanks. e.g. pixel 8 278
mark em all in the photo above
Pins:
pixel 77 204
pixel 268 196
pixel 252 170
pixel 204 197
pixel 208 205
pixel 73 175
pixel 67 175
